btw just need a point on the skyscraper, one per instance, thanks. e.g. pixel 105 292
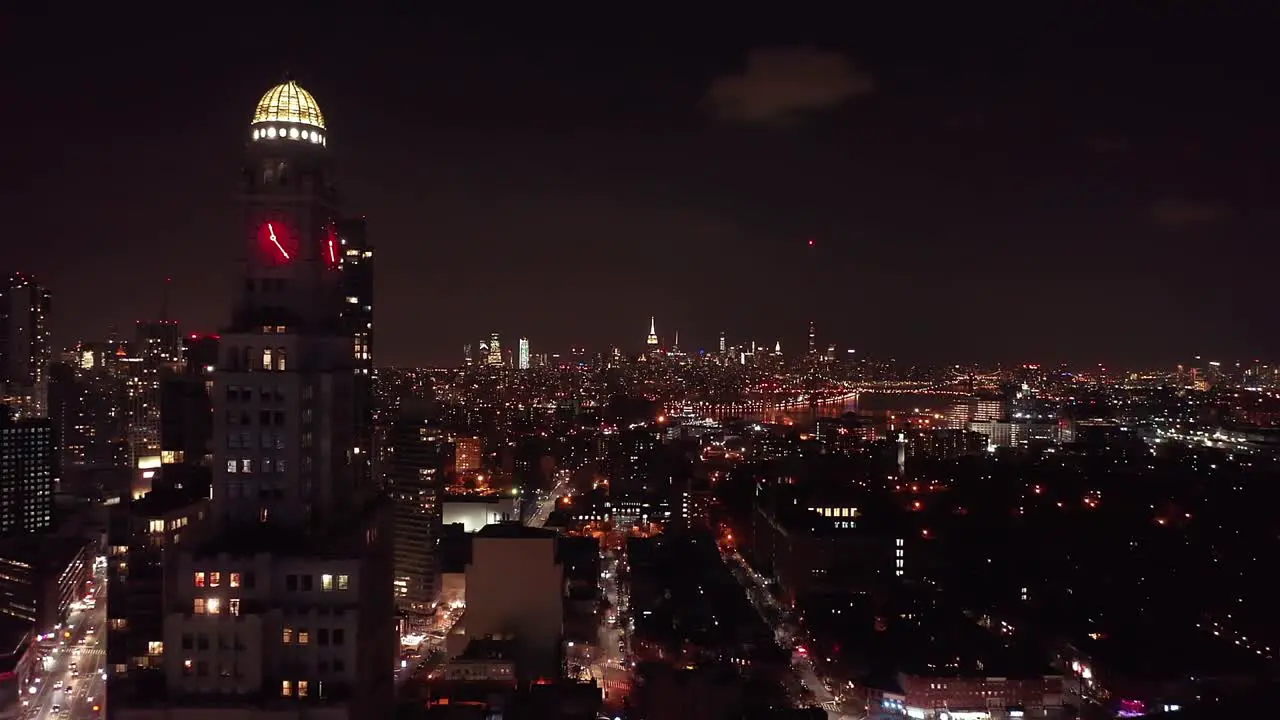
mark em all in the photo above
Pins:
pixel 28 470
pixel 420 455
pixel 523 359
pixel 292 578
pixel 25 345
pixel 354 256
pixel 652 339
pixel 494 356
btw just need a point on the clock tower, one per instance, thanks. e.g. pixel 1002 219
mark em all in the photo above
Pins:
pixel 286 332
pixel 290 571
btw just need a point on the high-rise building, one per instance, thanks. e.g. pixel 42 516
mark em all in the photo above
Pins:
pixel 159 343
pixel 813 338
pixel 467 452
pixel 28 473
pixel 466 354
pixel 355 257
pixel 523 358
pixel 652 340
pixel 494 356
pixel 283 606
pixel 25 344
pixel 420 456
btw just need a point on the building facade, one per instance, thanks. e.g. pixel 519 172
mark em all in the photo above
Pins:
pixel 26 348
pixel 28 475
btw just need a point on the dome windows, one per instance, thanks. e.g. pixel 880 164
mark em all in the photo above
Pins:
pixel 272 132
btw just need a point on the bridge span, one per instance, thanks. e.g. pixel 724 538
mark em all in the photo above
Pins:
pixel 842 393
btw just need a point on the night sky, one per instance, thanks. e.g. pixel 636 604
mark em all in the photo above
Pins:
pixel 1092 187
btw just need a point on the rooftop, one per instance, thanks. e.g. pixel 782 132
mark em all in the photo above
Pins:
pixel 514 530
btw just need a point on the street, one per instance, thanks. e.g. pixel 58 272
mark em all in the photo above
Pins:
pixel 547 501
pixel 611 664
pixel 415 659
pixel 72 681
pixel 809 688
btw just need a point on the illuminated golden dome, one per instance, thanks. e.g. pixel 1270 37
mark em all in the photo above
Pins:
pixel 288 103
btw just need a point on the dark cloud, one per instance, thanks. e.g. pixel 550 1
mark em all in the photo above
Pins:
pixel 780 84
pixel 1180 213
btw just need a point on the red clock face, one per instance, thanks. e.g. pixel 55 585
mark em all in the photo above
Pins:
pixel 276 241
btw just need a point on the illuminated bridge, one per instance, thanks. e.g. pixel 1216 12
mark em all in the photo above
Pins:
pixel 831 394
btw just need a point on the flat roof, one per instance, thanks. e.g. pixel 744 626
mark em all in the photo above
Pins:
pixel 514 530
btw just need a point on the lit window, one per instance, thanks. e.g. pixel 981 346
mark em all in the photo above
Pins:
pixel 326 583
pixel 213 606
pixel 286 637
pixel 215 579
pixel 232 466
pixel 280 365
pixel 199 579
pixel 199 606
pixel 246 465
pixel 234 579
pixel 155 647
pixel 302 688
pixel 266 358
pixel 233 606
pixel 343 582
pixel 286 688
pixel 156 526
pixel 304 637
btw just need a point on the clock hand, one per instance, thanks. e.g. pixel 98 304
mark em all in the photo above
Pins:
pixel 277 242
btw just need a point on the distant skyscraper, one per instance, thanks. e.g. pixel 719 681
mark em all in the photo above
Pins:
pixel 524 354
pixel 652 339
pixel 25 344
pixel 159 343
pixel 28 470
pixel 723 348
pixel 777 348
pixel 813 338
pixel 466 354
pixel 495 350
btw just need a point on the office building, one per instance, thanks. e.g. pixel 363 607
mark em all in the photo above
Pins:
pixel 283 605
pixel 523 357
pixel 355 256
pixel 28 476
pixel 25 344
pixel 467 454
pixel 494 353
pixel 40 577
pixel 420 456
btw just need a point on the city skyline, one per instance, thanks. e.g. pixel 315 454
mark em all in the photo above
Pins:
pixel 1029 202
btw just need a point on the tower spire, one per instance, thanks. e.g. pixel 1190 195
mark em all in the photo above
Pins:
pixel 652 340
